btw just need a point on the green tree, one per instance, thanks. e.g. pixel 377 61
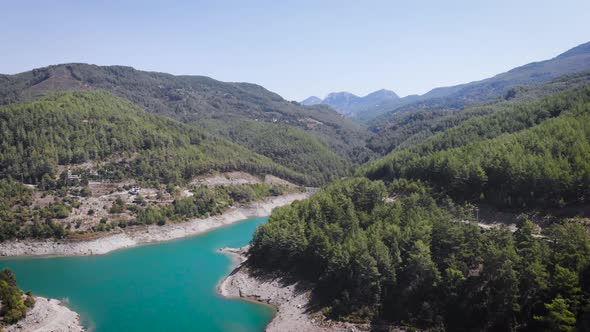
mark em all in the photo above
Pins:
pixel 558 317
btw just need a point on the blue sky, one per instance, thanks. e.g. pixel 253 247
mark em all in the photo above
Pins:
pixel 296 48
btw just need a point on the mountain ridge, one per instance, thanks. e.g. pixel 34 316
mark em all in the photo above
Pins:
pixel 192 99
pixel 576 59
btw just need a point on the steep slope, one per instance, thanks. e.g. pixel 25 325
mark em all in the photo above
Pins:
pixel 395 254
pixel 409 128
pixel 126 142
pixel 15 302
pixel 573 60
pixel 188 99
pixel 285 145
pixel 532 155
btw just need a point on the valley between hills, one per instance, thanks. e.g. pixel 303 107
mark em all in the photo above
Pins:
pixel 466 208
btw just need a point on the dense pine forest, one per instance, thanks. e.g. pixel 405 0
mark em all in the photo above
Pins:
pixel 421 261
pixel 403 128
pixel 529 155
pixel 78 127
pixel 400 244
pixel 285 145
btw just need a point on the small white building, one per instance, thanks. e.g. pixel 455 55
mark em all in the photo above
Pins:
pixel 134 191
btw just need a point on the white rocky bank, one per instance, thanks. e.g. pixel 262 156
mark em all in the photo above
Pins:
pixel 48 315
pixel 290 298
pixel 148 234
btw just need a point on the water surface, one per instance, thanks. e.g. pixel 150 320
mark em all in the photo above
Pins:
pixel 161 287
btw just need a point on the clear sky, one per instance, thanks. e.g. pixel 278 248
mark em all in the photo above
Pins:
pixel 296 48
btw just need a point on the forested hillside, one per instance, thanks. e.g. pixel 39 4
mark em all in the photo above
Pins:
pixel 76 127
pixel 401 245
pixel 525 156
pixel 286 146
pixel 190 99
pixel 412 262
pixel 402 129
pixel 200 98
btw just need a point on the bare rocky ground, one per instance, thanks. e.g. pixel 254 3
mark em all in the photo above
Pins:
pixel 226 179
pixel 93 208
pixel 48 315
pixel 291 298
pixel 237 178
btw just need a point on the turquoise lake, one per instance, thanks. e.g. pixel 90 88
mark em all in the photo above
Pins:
pixel 161 287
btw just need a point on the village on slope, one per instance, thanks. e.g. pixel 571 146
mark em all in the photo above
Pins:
pixel 86 217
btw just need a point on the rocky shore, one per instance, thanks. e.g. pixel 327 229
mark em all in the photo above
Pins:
pixel 48 315
pixel 289 297
pixel 147 234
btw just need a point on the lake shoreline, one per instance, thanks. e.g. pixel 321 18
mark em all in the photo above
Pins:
pixel 145 235
pixel 48 315
pixel 290 298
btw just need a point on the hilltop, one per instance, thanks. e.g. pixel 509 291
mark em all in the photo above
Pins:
pixel 313 100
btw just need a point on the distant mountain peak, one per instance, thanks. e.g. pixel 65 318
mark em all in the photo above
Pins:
pixel 341 95
pixel 383 93
pixel 350 104
pixel 341 101
pixel 313 100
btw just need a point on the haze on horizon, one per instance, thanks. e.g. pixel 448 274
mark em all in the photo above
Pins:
pixel 296 49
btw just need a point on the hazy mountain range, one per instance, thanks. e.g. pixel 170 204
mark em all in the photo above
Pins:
pixel 350 104
pixel 383 101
